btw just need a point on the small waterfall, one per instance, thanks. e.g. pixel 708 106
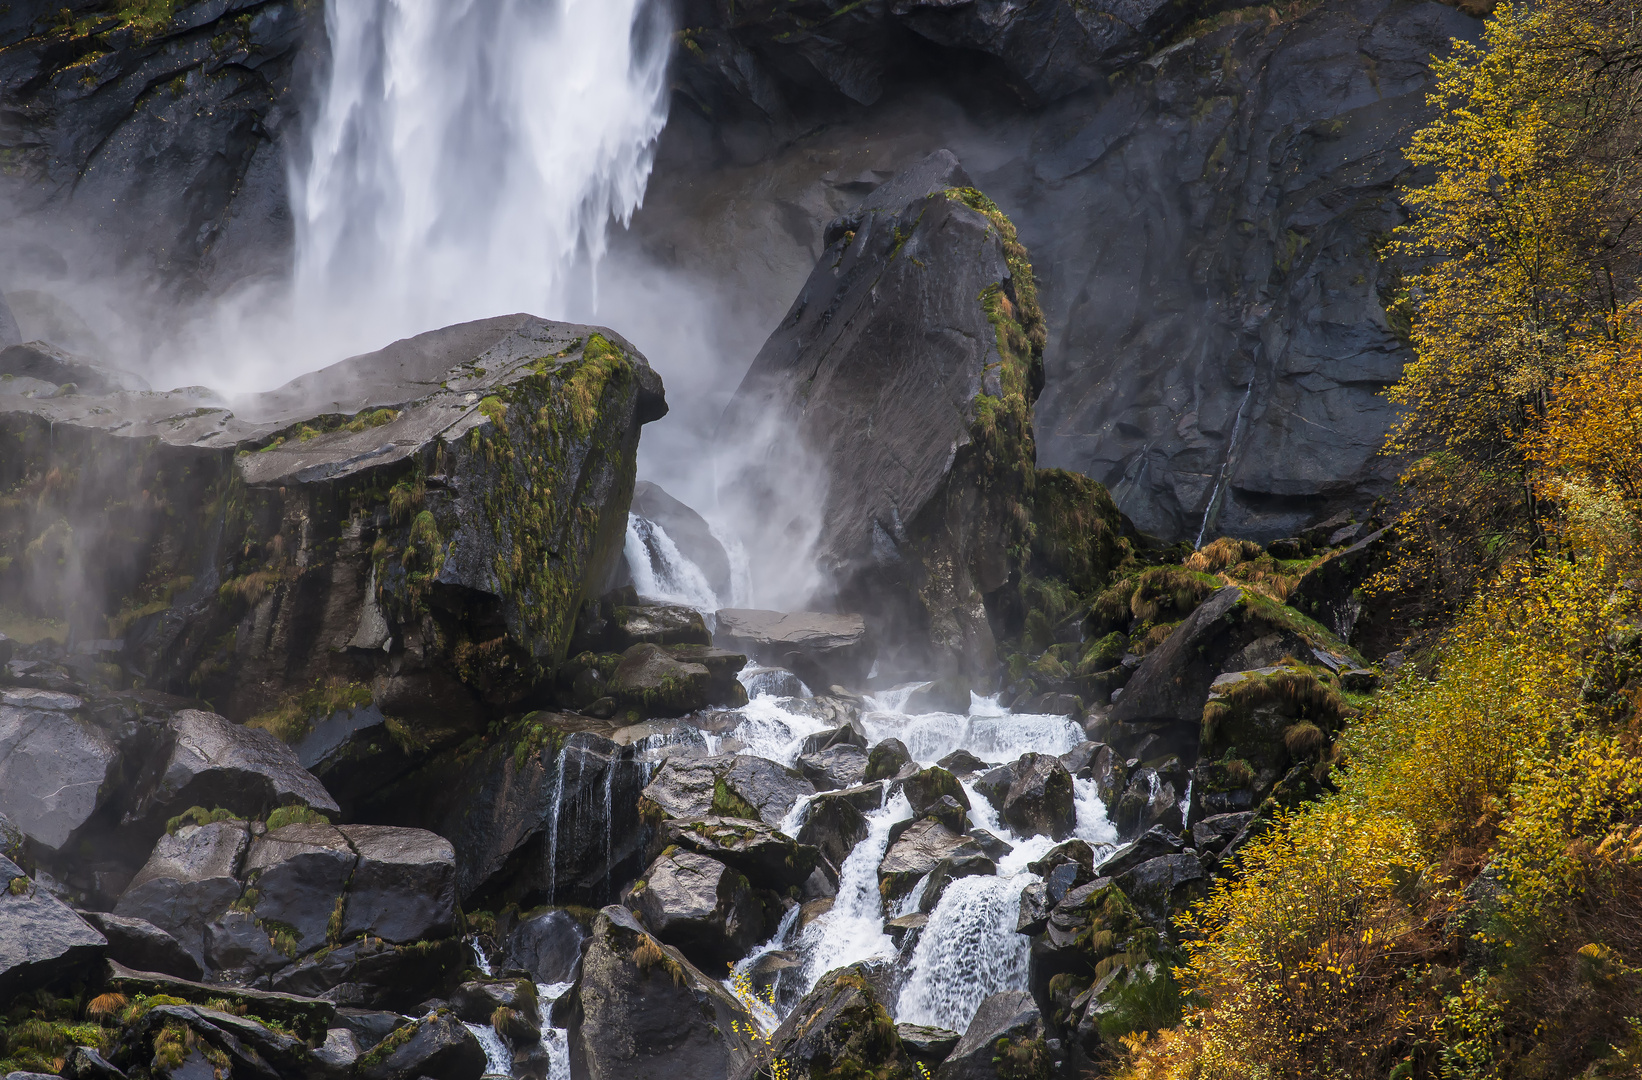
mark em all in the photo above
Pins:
pixel 466 158
pixel 555 1040
pixel 498 1058
pixel 553 831
pixel 662 572
pixel 968 951
pixel 854 929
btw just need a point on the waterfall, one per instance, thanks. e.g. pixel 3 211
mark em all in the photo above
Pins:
pixel 662 572
pixel 968 951
pixel 467 156
pixel 1225 467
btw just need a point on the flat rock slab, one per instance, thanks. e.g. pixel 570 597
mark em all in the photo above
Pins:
pixel 772 859
pixel 215 763
pixel 307 1015
pixel 820 648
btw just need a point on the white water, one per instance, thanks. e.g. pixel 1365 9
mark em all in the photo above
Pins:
pixel 498 1058
pixel 968 951
pixel 662 572
pixel 467 158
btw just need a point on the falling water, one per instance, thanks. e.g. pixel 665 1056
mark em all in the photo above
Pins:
pixel 553 831
pixel 466 158
pixel 1225 467
pixel 968 951
pixel 662 572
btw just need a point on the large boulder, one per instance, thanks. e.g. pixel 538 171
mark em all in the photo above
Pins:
pixel 1233 630
pixel 929 451
pixel 548 946
pixel 214 763
pixel 640 1011
pixel 841 766
pixel 299 874
pixel 916 852
pixel 55 767
pixel 834 824
pixel 416 527
pixel 1033 796
pixel 139 944
pixel 437 1046
pixel 822 649
pixel 739 786
pixel 699 906
pixel 655 680
pixel 841 1028
pixel 403 887
pixel 42 942
pixel 1005 1038
pixel 771 858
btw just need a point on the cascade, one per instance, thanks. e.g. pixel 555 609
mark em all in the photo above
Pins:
pixel 466 158
pixel 662 572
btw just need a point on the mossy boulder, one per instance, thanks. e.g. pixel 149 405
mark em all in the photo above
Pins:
pixel 640 1010
pixel 1166 695
pixel 698 905
pixel 657 681
pixel 841 1029
pixel 930 452
pixel 424 521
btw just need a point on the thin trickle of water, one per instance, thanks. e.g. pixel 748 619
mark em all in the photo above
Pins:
pixel 968 951
pixel 553 831
pixel 466 158
pixel 609 817
pixel 480 960
pixel 1225 467
pixel 662 572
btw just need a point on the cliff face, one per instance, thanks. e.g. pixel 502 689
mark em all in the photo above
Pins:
pixel 1204 225
pixel 158 138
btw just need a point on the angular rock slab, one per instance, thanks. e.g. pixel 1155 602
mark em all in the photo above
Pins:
pixel 42 942
pixel 190 879
pixel 214 763
pixel 819 648
pixel 403 888
pixel 772 859
pixel 299 874
pixel 1011 1015
pixel 54 767
pixel 699 906
pixel 641 1011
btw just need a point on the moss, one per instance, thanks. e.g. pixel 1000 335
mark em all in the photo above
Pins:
pixel 727 803
pixel 18 886
pixel 373 419
pixel 199 815
pixel 1296 692
pixel 1076 531
pixel 295 815
pixel 296 714
pixel 385 1049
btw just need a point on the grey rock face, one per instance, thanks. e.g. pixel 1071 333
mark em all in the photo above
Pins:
pixel 404 885
pixel 557 821
pixel 691 787
pixel 299 873
pixel 139 944
pixel 820 648
pixel 700 906
pixel 54 767
pixel 214 763
pixel 192 185
pixel 641 1011
pixel 908 532
pixel 1162 885
pixel 190 879
pixel 1011 1015
pixel 42 942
